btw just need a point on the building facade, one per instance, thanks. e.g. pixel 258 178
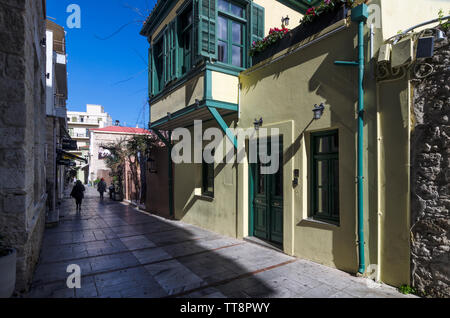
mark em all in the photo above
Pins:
pixel 22 129
pixel 57 136
pixel 342 194
pixel 79 124
pixel 100 137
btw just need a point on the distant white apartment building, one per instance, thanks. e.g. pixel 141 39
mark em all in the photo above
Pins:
pixel 79 124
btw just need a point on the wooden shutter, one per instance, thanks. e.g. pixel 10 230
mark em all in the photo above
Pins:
pixel 151 70
pixel 256 24
pixel 205 28
pixel 173 46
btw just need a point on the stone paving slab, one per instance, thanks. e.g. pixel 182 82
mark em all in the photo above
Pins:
pixel 123 252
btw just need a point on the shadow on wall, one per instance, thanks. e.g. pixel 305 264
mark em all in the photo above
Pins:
pixel 178 260
pixel 157 201
pixel 336 86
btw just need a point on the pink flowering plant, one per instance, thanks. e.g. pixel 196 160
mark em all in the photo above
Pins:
pixel 275 34
pixel 326 6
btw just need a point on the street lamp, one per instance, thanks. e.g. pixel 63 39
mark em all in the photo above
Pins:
pixel 318 111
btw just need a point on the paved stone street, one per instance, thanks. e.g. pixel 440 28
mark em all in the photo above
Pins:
pixel 123 252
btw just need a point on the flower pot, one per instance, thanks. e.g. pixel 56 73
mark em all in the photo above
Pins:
pixel 302 32
pixel 8 273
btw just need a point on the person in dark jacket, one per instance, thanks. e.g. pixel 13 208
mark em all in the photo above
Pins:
pixel 101 187
pixel 78 194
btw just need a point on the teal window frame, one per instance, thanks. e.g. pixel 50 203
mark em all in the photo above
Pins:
pixel 300 5
pixel 331 214
pixel 229 41
pixel 185 56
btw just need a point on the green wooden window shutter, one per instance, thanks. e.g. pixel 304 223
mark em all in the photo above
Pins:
pixel 151 70
pixel 173 47
pixel 166 42
pixel 205 28
pixel 256 24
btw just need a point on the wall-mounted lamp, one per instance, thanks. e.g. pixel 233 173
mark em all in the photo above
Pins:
pixel 318 111
pixel 258 123
pixel 284 21
pixel 151 165
pixel 439 36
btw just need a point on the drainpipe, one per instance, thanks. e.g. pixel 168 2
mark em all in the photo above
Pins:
pixel 360 15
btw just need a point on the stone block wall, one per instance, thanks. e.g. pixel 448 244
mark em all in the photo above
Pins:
pixel 430 175
pixel 22 131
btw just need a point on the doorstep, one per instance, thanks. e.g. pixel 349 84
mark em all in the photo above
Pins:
pixel 255 240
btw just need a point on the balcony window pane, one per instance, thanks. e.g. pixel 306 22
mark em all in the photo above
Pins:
pixel 237 33
pixel 237 56
pixel 237 10
pixel 222 52
pixel 223 28
pixel 224 5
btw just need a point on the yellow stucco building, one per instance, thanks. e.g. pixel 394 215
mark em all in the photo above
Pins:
pixel 312 207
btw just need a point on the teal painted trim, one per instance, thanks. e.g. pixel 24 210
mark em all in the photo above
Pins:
pixel 360 16
pixel 346 63
pixel 156 16
pixel 222 105
pixel 207 90
pixel 251 197
pixel 300 5
pixel 175 115
pixel 223 125
pixel 208 120
pixel 224 68
pixel 361 241
pixel 175 85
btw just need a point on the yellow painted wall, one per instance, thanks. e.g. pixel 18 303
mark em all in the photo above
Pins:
pixel 399 15
pixel 394 134
pixel 274 11
pixel 288 89
pixel 182 97
pixel 217 214
pixel 225 87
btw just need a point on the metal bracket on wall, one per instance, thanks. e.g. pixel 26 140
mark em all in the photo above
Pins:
pixel 214 112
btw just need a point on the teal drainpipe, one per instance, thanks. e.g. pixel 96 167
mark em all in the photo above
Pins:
pixel 360 15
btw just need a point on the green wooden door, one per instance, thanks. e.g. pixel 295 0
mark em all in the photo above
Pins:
pixel 268 201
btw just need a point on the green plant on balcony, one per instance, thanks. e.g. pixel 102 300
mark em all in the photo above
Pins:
pixel 274 36
pixel 326 6
pixel 443 24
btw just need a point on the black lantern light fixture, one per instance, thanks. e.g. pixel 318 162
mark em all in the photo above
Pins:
pixel 318 111
pixel 284 21
pixel 258 123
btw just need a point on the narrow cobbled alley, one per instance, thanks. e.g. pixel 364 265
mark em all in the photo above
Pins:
pixel 123 252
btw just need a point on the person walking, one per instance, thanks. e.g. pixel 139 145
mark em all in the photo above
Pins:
pixel 78 194
pixel 101 187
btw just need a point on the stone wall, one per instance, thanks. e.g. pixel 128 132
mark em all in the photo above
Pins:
pixel 22 131
pixel 430 175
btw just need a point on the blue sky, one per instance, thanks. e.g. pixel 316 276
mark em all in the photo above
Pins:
pixel 110 72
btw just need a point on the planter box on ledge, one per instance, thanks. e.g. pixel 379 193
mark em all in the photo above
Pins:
pixel 301 33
